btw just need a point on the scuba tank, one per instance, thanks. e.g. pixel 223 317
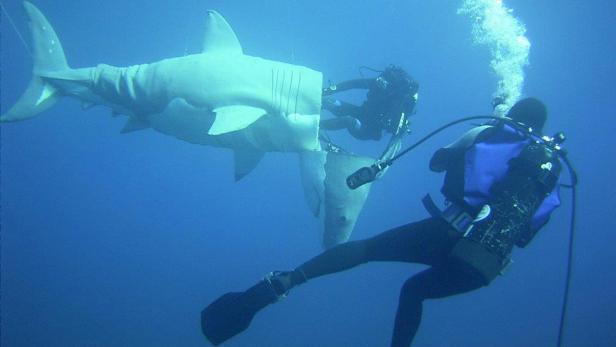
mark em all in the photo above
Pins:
pixel 516 205
pixel 485 248
pixel 393 95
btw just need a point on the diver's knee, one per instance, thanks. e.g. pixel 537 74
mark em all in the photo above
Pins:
pixel 411 290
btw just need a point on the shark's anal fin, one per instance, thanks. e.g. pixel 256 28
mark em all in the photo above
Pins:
pixel 245 161
pixel 134 124
pixel 233 118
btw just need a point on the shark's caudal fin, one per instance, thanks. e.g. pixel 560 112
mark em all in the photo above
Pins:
pixel 48 56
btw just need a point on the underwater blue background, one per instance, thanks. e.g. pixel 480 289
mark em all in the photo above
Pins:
pixel 121 240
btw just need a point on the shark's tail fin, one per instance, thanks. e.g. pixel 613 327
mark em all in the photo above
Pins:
pixel 48 56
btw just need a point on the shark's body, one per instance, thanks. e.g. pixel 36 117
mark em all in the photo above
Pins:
pixel 228 92
pixel 220 97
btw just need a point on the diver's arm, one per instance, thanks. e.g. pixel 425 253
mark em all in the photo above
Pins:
pixel 443 157
pixel 363 83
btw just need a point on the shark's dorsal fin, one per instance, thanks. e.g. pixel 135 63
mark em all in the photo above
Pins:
pixel 233 118
pixel 134 124
pixel 245 161
pixel 219 37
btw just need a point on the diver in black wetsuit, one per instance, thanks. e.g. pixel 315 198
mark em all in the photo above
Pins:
pixel 501 182
pixel 390 96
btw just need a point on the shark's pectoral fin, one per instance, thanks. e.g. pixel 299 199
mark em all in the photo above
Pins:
pixel 245 161
pixel 233 118
pixel 219 37
pixel 134 124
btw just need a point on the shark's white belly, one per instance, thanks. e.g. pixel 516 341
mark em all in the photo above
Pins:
pixel 273 132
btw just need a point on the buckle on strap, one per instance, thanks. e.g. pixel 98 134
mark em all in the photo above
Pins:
pixel 453 214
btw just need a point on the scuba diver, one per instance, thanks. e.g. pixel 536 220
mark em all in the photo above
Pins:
pixel 390 100
pixel 501 185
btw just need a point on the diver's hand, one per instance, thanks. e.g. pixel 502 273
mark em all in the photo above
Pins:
pixel 330 104
pixel 330 90
pixel 351 123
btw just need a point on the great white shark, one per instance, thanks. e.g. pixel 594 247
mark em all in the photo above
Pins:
pixel 220 97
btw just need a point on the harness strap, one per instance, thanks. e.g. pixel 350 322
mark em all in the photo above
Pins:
pixel 453 214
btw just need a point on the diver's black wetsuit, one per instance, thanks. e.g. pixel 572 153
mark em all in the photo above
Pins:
pixel 465 247
pixel 457 263
pixel 426 242
pixel 389 95
pixel 370 128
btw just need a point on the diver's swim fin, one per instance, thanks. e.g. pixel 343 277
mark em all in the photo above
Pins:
pixel 232 313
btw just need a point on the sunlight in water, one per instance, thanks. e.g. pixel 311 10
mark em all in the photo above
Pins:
pixel 495 26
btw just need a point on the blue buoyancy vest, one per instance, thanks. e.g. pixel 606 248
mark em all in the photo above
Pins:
pixel 482 159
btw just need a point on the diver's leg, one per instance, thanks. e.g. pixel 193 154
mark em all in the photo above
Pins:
pixel 346 115
pixel 339 108
pixel 436 282
pixel 427 241
pixel 344 122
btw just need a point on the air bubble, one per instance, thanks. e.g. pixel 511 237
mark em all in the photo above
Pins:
pixel 496 27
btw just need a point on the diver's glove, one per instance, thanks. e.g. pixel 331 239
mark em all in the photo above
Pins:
pixel 352 123
pixel 331 89
pixel 330 104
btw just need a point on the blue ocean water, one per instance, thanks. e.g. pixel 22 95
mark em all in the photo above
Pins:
pixel 121 240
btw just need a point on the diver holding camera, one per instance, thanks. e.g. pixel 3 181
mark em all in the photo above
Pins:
pixel 501 186
pixel 390 101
